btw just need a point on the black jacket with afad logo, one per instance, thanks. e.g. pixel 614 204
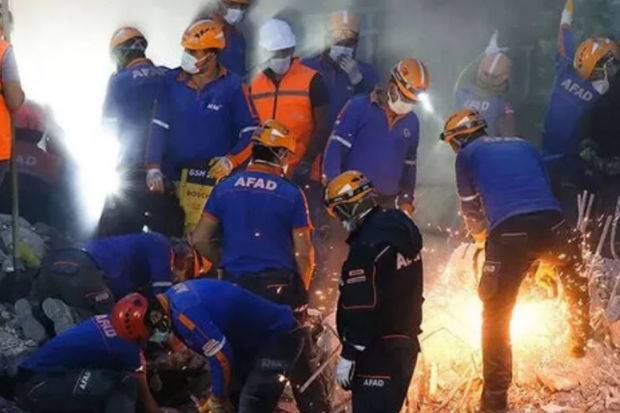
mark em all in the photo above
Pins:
pixel 381 283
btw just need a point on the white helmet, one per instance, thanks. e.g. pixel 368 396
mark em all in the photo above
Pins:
pixel 276 35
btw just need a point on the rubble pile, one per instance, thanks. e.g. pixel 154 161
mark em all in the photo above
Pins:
pixel 13 346
pixel 448 376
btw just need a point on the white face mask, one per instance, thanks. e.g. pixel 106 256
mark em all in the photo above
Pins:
pixel 601 86
pixel 280 65
pixel 159 337
pixel 398 106
pixel 340 51
pixel 233 16
pixel 189 63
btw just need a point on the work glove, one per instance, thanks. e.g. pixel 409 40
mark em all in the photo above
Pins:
pixel 493 46
pixel 351 68
pixel 344 372
pixel 480 239
pixel 567 13
pixel 155 180
pixel 301 174
pixel 220 167
pixel 217 405
pixel 407 207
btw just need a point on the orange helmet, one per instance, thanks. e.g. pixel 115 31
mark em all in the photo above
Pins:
pixel 412 77
pixel 462 124
pixel 204 34
pixel 124 34
pixel 343 26
pixel 345 192
pixel 274 134
pixel 129 318
pixel 494 70
pixel 591 52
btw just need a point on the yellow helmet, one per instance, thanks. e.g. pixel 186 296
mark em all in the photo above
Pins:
pixel 591 52
pixel 345 192
pixel 124 34
pixel 274 134
pixel 412 77
pixel 204 34
pixel 462 124
pixel 343 26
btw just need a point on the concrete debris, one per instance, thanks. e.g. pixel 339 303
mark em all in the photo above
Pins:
pixel 14 348
pixel 555 381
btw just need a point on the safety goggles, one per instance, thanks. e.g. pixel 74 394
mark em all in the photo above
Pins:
pixel 448 135
pixel 333 204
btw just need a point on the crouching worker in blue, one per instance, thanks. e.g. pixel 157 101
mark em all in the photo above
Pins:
pixel 249 341
pixel 505 193
pixel 380 304
pixel 261 220
pixel 88 368
pixel 77 283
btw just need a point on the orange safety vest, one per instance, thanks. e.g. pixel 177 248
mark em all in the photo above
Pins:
pixel 5 114
pixel 289 103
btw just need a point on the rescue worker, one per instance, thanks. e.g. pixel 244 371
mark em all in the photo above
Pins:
pixel 380 305
pixel 486 91
pixel 506 199
pixel 344 76
pixel 263 224
pixel 203 114
pixel 88 368
pixel 230 13
pixel 378 134
pixel 247 354
pixel 130 103
pixel 75 283
pixel 582 77
pixel 290 92
pixel 12 96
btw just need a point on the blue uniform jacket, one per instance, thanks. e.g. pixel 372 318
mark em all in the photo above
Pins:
pixel 218 319
pixel 129 106
pixel 492 108
pixel 193 126
pixel 338 83
pixel 498 178
pixel 133 262
pixel 258 212
pixel 93 344
pixel 571 99
pixel 233 57
pixel 363 139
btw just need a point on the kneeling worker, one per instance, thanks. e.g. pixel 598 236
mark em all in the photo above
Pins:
pixel 505 193
pixel 380 305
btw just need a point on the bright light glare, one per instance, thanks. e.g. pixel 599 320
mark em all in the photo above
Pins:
pixel 425 99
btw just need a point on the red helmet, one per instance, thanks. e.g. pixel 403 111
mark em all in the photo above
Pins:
pixel 129 318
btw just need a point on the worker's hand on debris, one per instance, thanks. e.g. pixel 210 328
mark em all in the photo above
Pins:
pixel 344 372
pixel 567 13
pixel 219 405
pixel 220 167
pixel 351 68
pixel 407 207
pixel 155 181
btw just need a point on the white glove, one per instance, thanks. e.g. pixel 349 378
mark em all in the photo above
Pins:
pixel 352 69
pixel 567 13
pixel 344 372
pixel 493 46
pixel 221 167
pixel 155 180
